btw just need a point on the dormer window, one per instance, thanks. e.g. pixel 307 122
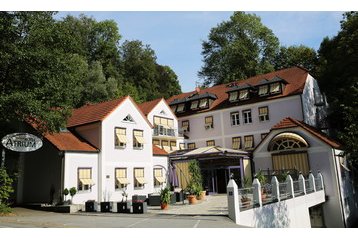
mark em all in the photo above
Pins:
pixel 180 107
pixel 194 104
pixel 244 94
pixel 233 96
pixel 263 90
pixel 203 103
pixel 174 107
pixel 275 88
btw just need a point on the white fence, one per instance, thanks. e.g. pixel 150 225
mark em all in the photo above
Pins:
pixel 262 198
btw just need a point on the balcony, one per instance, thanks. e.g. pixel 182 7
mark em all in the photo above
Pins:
pixel 161 131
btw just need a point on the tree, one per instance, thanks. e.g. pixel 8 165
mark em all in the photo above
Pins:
pixel 296 56
pixel 237 49
pixel 338 78
pixel 168 84
pixel 5 190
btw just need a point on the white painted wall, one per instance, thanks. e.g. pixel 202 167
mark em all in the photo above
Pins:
pixel 161 162
pixel 73 161
pixel 129 158
pixel 223 131
pixel 162 106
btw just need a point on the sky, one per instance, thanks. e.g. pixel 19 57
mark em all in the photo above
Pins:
pixel 176 37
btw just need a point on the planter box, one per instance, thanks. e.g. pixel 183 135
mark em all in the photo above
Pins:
pixel 153 200
pixel 139 198
pixel 173 198
pixel 124 207
pixel 139 207
pixel 106 206
pixel 91 206
pixel 179 196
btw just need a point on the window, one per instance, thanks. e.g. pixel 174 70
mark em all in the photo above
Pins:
pixel 275 88
pixel 128 118
pixel 244 94
pixel 159 179
pixel 139 180
pixel 210 143
pixel 156 142
pixel 247 116
pixel 235 118
pixel 233 96
pixel 138 140
pixel 194 104
pixel 121 178
pixel 185 126
pixel 84 181
pixel 174 108
pixel 249 142
pixel 203 103
pixel 173 145
pixel 263 114
pixel 191 146
pixel 181 146
pixel 209 123
pixel 120 138
pixel 263 90
pixel 263 135
pixel 236 143
pixel 180 107
pixel 165 145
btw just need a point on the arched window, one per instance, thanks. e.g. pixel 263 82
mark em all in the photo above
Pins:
pixel 287 141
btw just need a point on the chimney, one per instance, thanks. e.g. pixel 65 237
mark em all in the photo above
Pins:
pixel 197 89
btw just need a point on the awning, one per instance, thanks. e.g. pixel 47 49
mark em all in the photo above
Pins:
pixel 166 148
pixel 160 179
pixel 141 180
pixel 122 138
pixel 87 181
pixel 140 139
pixel 123 180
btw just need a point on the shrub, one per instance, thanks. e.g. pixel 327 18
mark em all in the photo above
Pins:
pixel 5 186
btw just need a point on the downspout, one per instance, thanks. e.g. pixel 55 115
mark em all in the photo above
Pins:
pixel 303 112
pixel 62 186
pixel 339 188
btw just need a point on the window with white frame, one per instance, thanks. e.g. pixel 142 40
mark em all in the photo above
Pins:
pixel 191 146
pixel 121 179
pixel 181 146
pixel 203 103
pixel 233 96
pixel 180 107
pixel 210 143
pixel 84 181
pixel 139 179
pixel 185 126
pixel 165 145
pixel 156 142
pixel 263 90
pixel 194 104
pixel 263 114
pixel 275 88
pixel 244 94
pixel 173 145
pixel 236 143
pixel 120 138
pixel 159 178
pixel 209 122
pixel 138 139
pixel 235 118
pixel 249 142
pixel 247 116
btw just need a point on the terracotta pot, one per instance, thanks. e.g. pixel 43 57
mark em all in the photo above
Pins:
pixel 164 206
pixel 192 199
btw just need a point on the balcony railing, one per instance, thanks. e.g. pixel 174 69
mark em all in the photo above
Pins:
pixel 162 131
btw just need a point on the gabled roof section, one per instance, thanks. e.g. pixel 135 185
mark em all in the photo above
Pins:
pixel 289 122
pixel 66 141
pixel 93 112
pixel 147 107
pixel 159 151
pixel 295 78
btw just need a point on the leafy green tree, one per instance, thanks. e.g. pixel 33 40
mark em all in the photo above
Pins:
pixel 338 78
pixel 5 190
pixel 238 48
pixel 296 56
pixel 168 84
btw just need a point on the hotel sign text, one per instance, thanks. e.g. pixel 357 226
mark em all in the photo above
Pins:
pixel 21 142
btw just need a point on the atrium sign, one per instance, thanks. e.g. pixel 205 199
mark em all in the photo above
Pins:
pixel 21 142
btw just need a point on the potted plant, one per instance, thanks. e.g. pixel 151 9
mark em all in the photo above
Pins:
pixel 193 192
pixel 245 201
pixel 164 198
pixel 262 179
pixel 196 180
pixel 73 191
pixel 65 192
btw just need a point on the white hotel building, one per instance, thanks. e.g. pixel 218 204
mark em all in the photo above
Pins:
pixel 117 146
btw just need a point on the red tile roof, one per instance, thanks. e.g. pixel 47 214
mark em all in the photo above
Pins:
pixel 147 107
pixel 289 122
pixel 295 77
pixel 93 112
pixel 66 141
pixel 158 151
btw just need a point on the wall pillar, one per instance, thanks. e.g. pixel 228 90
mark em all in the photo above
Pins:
pixel 301 184
pixel 311 183
pixel 275 189
pixel 257 193
pixel 233 201
pixel 289 187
